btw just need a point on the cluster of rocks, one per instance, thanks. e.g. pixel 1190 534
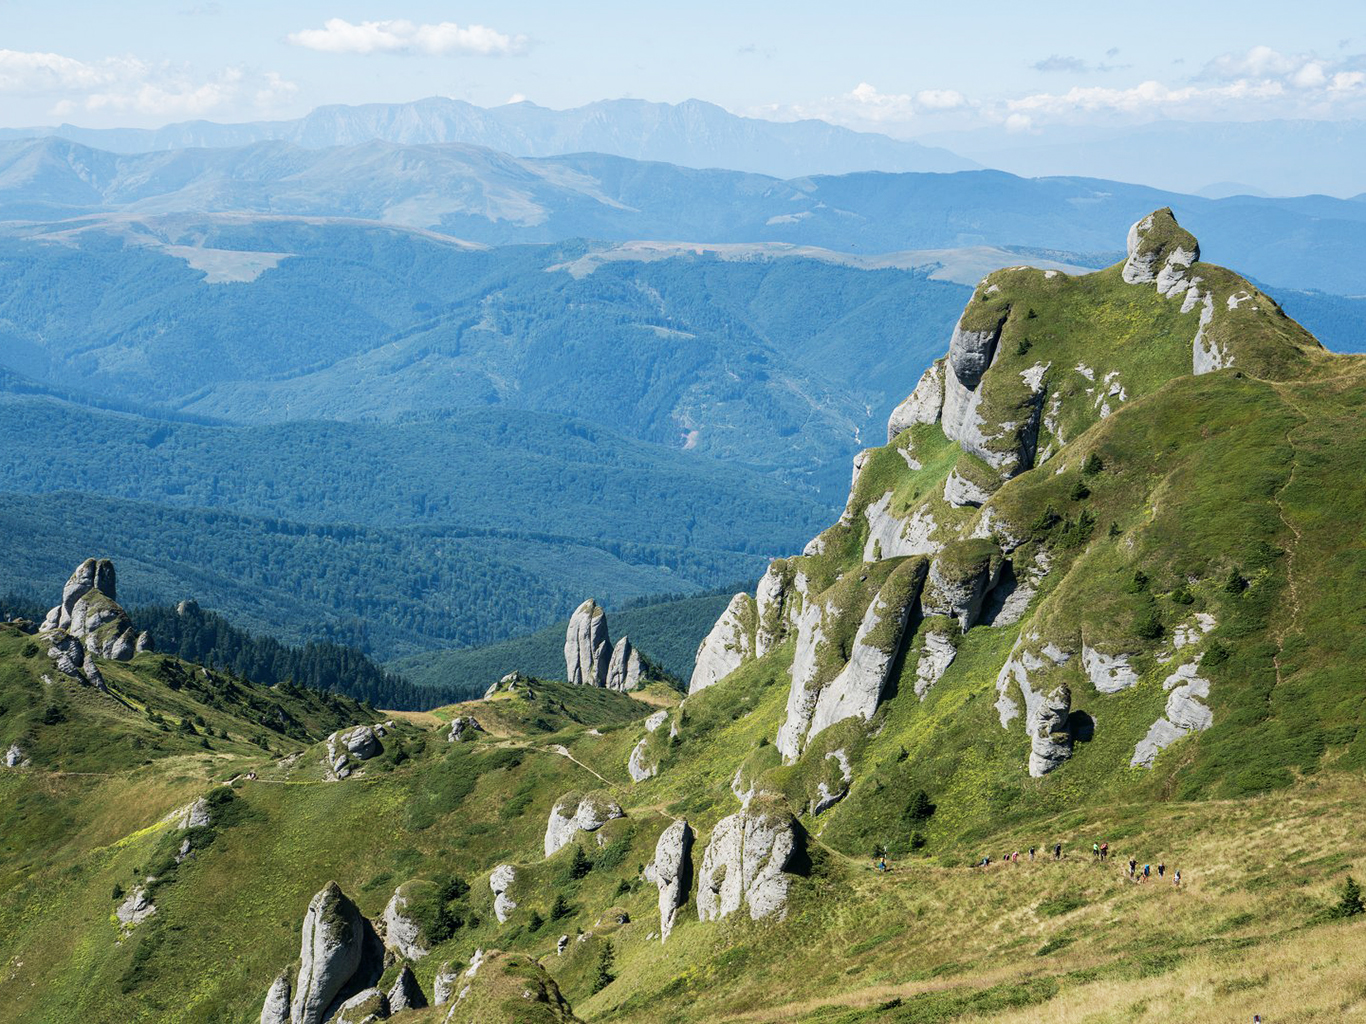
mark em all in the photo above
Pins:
pixel 573 814
pixel 591 659
pixel 90 612
pixel 346 748
pixel 640 765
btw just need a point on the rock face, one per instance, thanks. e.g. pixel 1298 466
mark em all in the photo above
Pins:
pixel 572 815
pixel 463 728
pixel 1160 250
pixel 587 647
pixel 778 600
pixel 443 985
pixel 856 691
pixel 348 746
pixel 891 537
pixel 937 652
pixel 745 861
pixel 69 657
pixel 1050 744
pixel 623 671
pixel 829 793
pixel 366 1007
pixel 500 881
pixel 673 872
pixel 333 940
pixel 137 908
pixel 405 993
pixel 276 1007
pixel 1109 673
pixel 90 612
pixel 729 644
pixel 1185 714
pixel 401 932
pixel 1027 658
pixel 959 579
pixel 922 406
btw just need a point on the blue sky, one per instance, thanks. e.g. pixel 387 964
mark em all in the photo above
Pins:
pixel 902 68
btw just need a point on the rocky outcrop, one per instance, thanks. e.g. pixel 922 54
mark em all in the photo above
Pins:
pixel 138 907
pixel 960 492
pixel 90 612
pixel 729 644
pixel 937 651
pixel 638 766
pixel 959 579
pixel 500 881
pixel 463 727
pixel 922 406
pixel 1160 251
pixel 275 1010
pixel 1109 673
pixel 368 1006
pixel 1050 743
pixel 587 647
pixel 348 746
pixel 402 933
pixel 443 984
pixel 1185 714
pixel 778 601
pixel 333 942
pixel 70 658
pixel 672 872
pixel 857 690
pixel 745 862
pixel 197 814
pixel 892 537
pixel 405 994
pixel 623 671
pixel 1027 658
pixel 505 987
pixel 14 756
pixel 831 791
pixel 573 814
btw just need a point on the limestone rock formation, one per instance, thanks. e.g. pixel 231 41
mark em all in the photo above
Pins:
pixel 1050 744
pixel 923 405
pixel 500 881
pixel 856 691
pixel 745 861
pixel 194 815
pixel 401 932
pixel 891 537
pixel 587 647
pixel 137 908
pixel 960 492
pixel 330 952
pixel 348 746
pixel 14 756
pixel 729 644
pixel 443 984
pixel 778 600
pixel 405 994
pixel 937 652
pixel 832 791
pixel 623 671
pixel 1185 714
pixel 70 658
pixel 90 612
pixel 573 814
pixel 275 1010
pixel 367 1006
pixel 959 579
pixel 1160 250
pixel 637 766
pixel 1109 673
pixel 463 727
pixel 1027 659
pixel 672 871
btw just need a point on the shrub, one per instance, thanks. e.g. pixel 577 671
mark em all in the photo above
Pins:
pixel 1079 491
pixel 1092 465
pixel 560 909
pixel 580 865
pixel 1350 904
pixel 607 961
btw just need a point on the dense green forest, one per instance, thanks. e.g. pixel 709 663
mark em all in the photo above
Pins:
pixel 385 591
pixel 667 629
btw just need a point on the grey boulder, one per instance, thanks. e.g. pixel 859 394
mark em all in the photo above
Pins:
pixel 587 647
pixel 330 952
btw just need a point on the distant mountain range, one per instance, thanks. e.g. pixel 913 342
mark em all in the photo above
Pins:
pixel 1211 158
pixel 691 134
pixel 489 197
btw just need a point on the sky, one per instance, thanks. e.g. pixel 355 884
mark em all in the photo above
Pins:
pixel 906 69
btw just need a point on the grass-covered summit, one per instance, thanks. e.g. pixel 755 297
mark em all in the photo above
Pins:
pixel 1094 588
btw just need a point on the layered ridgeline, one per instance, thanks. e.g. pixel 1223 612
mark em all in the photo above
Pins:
pixel 1104 570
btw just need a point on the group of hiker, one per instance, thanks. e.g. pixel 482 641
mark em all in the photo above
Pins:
pixel 1100 852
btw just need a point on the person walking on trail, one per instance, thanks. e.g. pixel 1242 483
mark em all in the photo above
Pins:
pixel 1176 880
pixel 1161 869
pixel 1031 854
pixel 1057 851
pixel 1147 872
pixel 1133 866
pixel 1095 851
pixel 1104 852
pixel 882 862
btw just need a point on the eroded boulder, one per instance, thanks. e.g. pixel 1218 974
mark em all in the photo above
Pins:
pixel 1050 743
pixel 587 647
pixel 623 670
pixel 500 881
pixel 368 1006
pixel 959 579
pixel 90 612
pixel 923 405
pixel 405 993
pixel 463 727
pixel 672 872
pixel 330 951
pixel 745 862
pixel 275 1010
pixel 573 814
pixel 402 933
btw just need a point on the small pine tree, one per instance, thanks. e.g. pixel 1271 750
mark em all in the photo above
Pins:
pixel 607 962
pixel 1351 904
pixel 580 865
pixel 1079 491
pixel 536 921
pixel 1234 584
pixel 1092 465
pixel 1149 625
pixel 560 908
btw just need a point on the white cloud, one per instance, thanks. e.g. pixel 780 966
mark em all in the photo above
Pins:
pixel 131 85
pixel 868 108
pixel 404 37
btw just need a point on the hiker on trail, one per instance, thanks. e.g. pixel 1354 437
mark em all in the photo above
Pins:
pixel 1161 869
pixel 1177 879
pixel 882 862
pixel 1031 853
pixel 1133 866
pixel 1104 851
pixel 1147 872
pixel 1057 851
pixel 1095 851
